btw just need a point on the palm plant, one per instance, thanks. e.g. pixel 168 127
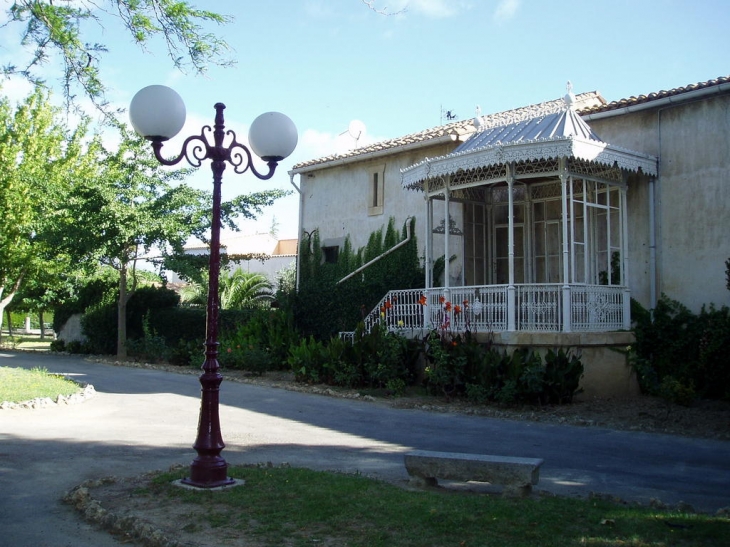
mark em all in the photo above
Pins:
pixel 236 290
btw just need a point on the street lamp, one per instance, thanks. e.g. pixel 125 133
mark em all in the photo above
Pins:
pixel 158 113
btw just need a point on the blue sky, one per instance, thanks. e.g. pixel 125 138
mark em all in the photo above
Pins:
pixel 328 62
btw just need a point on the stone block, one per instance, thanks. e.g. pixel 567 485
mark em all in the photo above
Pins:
pixel 517 475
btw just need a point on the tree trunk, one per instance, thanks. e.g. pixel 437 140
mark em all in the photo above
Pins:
pixel 4 312
pixel 122 315
pixel 4 301
pixel 43 328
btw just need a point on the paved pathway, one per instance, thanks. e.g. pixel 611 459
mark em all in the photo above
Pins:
pixel 142 420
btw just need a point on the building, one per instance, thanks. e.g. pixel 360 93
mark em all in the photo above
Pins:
pixel 265 254
pixel 557 213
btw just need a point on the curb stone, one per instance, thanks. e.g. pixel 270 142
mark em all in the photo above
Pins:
pixel 86 391
pixel 129 527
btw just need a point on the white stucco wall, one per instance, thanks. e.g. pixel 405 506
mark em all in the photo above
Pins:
pixel 335 199
pixel 692 141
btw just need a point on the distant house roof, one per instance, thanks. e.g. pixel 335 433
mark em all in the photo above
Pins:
pixel 254 244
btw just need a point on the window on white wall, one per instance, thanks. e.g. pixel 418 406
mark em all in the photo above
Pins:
pixel 375 190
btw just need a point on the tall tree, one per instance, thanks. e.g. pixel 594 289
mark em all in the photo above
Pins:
pixel 39 160
pixel 129 208
pixel 55 32
pixel 135 207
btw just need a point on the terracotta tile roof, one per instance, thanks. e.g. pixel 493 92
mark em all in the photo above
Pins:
pixel 587 103
pixel 632 101
pixel 457 129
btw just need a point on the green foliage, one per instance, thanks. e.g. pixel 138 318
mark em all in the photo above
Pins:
pixel 99 288
pixel 58 346
pixel 18 385
pixel 455 366
pixel 246 356
pixel 180 326
pixel 672 390
pixel 261 343
pixel 40 158
pixel 100 322
pixel 458 365
pixel 308 360
pixel 562 376
pixel 323 308
pixel 151 348
pixel 99 325
pixel 690 349
pixel 55 32
pixel 186 353
pixel 290 506
pixel 238 289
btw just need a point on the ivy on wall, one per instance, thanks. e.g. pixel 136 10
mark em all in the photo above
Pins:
pixel 322 307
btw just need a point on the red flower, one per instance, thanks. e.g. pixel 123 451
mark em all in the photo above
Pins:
pixel 457 309
pixel 466 304
pixel 447 306
pixel 442 299
pixel 422 301
pixel 388 305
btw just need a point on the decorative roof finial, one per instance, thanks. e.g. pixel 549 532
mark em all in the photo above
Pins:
pixel 478 122
pixel 569 96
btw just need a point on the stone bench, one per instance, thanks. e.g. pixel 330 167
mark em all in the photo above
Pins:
pixel 516 475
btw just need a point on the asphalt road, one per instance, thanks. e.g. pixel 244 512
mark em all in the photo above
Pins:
pixel 142 420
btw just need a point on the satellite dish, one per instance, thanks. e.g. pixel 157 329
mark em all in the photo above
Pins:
pixel 356 129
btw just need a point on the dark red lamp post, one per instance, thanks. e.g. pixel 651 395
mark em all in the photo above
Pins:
pixel 158 114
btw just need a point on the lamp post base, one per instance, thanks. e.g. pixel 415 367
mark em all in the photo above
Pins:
pixel 208 472
pixel 182 484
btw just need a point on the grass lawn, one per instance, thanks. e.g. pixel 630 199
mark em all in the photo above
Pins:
pixel 26 341
pixel 298 507
pixel 18 385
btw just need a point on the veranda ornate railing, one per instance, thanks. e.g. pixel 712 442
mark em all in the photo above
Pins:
pixel 499 308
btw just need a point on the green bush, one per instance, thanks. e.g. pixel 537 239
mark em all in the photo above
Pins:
pixel 99 322
pixel 308 360
pixel 151 348
pixel 322 307
pixel 99 325
pixel 691 349
pixel 563 372
pixel 187 353
pixel 451 366
pixel 179 325
pixel 58 345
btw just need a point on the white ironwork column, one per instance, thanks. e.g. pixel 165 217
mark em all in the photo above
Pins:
pixel 429 243
pixel 567 303
pixel 447 225
pixel 511 296
pixel 625 258
pixel 429 260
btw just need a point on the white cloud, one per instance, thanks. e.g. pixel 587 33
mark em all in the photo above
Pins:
pixel 506 10
pixel 435 9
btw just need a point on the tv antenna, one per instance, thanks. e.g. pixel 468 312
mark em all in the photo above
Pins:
pixel 449 115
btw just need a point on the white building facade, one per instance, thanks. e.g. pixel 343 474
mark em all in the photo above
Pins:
pixel 555 214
